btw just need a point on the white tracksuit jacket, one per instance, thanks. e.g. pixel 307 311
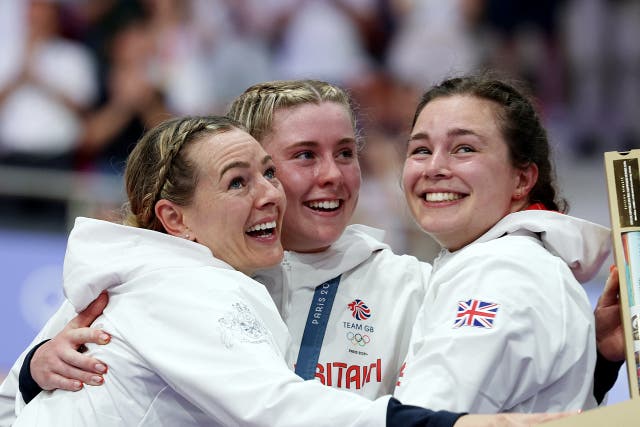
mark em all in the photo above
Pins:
pixel 506 325
pixel 194 342
pixel 362 354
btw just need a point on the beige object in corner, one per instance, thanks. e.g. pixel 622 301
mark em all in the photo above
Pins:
pixel 622 171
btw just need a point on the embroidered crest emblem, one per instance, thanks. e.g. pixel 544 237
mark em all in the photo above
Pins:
pixel 359 309
pixel 242 325
pixel 473 312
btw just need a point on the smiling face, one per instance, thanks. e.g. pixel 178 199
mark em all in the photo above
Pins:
pixel 314 149
pixel 458 178
pixel 238 203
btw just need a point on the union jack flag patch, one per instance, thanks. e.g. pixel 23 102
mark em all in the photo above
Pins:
pixel 473 312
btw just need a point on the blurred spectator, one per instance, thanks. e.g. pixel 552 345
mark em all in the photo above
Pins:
pixel 96 22
pixel 381 202
pixel 320 39
pixel 180 60
pixel 604 63
pixel 524 44
pixel 12 33
pixel 134 102
pixel 44 90
pixel 242 33
pixel 384 103
pixel 435 39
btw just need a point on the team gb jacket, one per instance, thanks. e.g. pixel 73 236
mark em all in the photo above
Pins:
pixel 377 301
pixel 506 325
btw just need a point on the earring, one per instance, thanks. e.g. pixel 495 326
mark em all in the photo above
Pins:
pixel 186 236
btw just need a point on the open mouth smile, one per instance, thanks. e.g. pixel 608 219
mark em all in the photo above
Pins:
pixel 265 229
pixel 442 197
pixel 324 205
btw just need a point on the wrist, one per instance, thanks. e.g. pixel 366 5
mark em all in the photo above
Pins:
pixel 28 387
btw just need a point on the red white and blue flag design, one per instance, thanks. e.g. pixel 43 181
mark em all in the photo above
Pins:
pixel 359 309
pixel 473 312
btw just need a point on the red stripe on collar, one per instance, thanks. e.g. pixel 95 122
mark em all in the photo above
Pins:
pixel 537 207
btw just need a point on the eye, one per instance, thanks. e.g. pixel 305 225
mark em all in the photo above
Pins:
pixel 236 183
pixel 270 173
pixel 419 151
pixel 465 149
pixel 304 155
pixel 347 153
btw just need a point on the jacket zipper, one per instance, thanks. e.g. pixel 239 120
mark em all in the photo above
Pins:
pixel 286 277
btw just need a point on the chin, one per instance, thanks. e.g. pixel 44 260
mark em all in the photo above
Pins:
pixel 327 239
pixel 274 259
pixel 312 242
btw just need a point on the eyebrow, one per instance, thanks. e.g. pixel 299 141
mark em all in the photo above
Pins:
pixel 232 165
pixel 461 132
pixel 239 164
pixel 450 133
pixel 343 141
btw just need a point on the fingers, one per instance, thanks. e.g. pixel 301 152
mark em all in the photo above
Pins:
pixel 508 420
pixel 81 336
pixel 530 420
pixel 87 316
pixel 58 382
pixel 540 418
pixel 611 289
pixel 58 364
pixel 53 368
pixel 79 367
pixel 75 362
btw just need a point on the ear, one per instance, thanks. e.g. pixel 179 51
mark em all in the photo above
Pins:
pixel 526 178
pixel 171 217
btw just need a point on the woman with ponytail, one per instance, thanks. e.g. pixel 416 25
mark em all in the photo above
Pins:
pixel 506 324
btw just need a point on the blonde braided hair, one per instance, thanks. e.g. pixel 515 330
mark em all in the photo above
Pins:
pixel 159 167
pixel 255 107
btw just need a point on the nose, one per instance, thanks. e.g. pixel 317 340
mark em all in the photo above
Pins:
pixel 437 165
pixel 269 193
pixel 328 172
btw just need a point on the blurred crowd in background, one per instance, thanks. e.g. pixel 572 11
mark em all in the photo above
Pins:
pixel 80 80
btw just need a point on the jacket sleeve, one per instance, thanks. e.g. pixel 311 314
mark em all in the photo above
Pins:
pixel 8 395
pixel 413 416
pixel 27 385
pixel 11 399
pixel 604 377
pixel 541 337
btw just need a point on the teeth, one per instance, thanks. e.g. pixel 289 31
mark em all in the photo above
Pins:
pixel 442 197
pixel 327 204
pixel 263 226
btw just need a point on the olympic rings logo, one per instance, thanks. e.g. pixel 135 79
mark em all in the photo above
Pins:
pixel 358 339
